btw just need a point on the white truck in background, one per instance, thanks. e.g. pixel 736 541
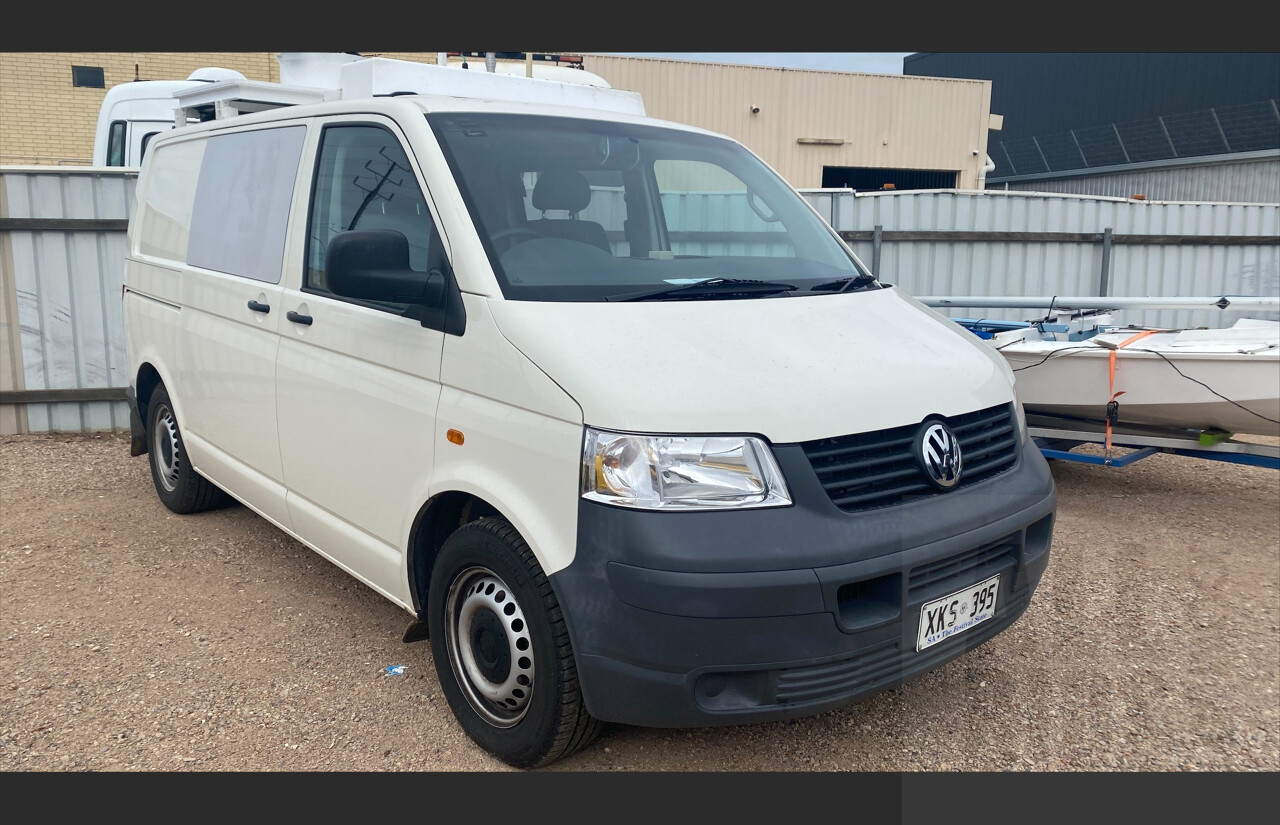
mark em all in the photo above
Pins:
pixel 134 113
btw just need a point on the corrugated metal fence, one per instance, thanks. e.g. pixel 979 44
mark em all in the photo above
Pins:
pixel 949 242
pixel 62 246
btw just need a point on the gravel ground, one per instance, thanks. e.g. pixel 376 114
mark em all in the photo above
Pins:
pixel 138 640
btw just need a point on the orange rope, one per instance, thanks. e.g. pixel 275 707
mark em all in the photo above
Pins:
pixel 1113 406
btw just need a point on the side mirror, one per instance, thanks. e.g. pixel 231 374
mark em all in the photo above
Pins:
pixel 373 264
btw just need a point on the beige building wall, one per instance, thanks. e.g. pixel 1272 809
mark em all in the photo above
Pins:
pixel 45 119
pixel 889 121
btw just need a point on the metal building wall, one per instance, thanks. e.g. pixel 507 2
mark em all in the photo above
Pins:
pixel 1255 180
pixel 886 121
pixel 61 289
pixel 1045 93
pixel 1022 243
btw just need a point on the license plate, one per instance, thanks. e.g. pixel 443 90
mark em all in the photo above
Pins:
pixel 943 618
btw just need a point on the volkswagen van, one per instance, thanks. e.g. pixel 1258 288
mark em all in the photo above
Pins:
pixel 599 400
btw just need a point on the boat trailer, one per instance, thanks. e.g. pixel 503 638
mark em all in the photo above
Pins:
pixel 1055 443
pixel 1056 435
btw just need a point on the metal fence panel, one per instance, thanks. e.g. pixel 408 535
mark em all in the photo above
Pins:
pixel 67 287
pixel 66 282
pixel 1185 267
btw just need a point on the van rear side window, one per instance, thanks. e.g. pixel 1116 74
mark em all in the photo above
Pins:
pixel 241 208
pixel 115 143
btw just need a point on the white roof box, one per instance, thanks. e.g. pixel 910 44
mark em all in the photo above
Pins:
pixel 229 98
pixel 380 76
pixel 318 69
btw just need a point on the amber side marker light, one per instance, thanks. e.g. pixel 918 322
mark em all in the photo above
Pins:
pixel 454 436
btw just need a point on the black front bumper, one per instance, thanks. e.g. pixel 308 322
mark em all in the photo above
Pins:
pixel 707 618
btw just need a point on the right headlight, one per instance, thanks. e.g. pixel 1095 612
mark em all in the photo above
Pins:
pixel 680 472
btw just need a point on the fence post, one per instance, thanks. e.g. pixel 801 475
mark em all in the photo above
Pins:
pixel 875 250
pixel 1104 280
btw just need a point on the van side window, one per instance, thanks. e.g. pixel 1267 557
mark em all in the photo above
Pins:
pixel 115 143
pixel 241 209
pixel 364 181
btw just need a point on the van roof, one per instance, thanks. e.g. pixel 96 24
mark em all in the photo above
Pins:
pixel 425 103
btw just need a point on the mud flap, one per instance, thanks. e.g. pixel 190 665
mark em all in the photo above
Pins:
pixel 137 431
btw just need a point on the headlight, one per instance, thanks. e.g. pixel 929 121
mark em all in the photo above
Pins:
pixel 680 472
pixel 1021 415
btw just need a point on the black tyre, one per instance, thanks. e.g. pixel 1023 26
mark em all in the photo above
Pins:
pixel 501 648
pixel 179 486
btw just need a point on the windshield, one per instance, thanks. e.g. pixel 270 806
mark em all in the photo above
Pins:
pixel 585 210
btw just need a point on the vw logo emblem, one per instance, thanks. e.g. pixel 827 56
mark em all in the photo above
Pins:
pixel 938 451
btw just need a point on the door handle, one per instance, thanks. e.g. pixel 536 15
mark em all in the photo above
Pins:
pixel 257 307
pixel 297 318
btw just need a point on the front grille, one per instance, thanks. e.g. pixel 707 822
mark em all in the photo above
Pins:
pixel 879 469
pixel 926 577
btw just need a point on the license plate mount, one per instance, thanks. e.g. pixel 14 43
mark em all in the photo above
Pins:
pixel 944 618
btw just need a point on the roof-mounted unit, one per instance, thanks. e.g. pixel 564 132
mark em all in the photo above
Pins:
pixel 381 76
pixel 351 77
pixel 229 98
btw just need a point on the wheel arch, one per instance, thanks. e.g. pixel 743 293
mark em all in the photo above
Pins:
pixel 145 382
pixel 437 519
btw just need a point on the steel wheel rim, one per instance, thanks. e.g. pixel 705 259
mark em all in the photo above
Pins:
pixel 483 619
pixel 167 452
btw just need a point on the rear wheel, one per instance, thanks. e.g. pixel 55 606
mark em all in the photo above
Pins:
pixel 502 650
pixel 179 486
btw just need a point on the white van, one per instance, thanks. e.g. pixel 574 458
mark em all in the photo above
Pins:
pixel 598 399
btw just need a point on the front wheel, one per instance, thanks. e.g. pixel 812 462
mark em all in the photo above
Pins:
pixel 502 650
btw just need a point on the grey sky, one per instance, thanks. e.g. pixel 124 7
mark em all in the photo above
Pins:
pixel 871 62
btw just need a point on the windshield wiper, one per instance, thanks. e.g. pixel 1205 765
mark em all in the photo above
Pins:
pixel 847 284
pixel 710 288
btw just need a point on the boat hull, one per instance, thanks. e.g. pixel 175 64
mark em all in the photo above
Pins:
pixel 1157 386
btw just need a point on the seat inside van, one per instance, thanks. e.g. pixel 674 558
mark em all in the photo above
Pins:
pixel 568 191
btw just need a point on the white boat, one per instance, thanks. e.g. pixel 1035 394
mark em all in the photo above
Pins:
pixel 1204 380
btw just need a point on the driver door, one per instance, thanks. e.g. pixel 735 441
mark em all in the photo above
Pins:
pixel 358 382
